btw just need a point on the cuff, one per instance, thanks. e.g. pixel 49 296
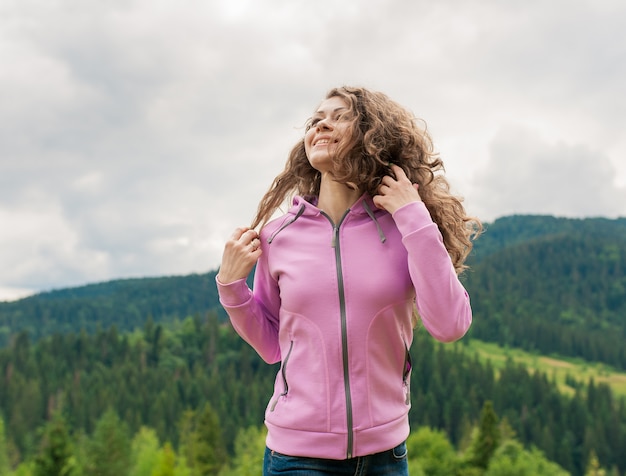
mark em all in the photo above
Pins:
pixel 233 294
pixel 412 217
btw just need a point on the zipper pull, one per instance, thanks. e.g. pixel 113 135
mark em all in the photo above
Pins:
pixel 335 236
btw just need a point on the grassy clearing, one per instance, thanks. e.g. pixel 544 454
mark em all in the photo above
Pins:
pixel 556 368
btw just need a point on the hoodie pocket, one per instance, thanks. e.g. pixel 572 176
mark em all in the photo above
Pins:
pixel 283 371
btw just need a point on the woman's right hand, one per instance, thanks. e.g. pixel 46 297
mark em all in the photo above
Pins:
pixel 241 252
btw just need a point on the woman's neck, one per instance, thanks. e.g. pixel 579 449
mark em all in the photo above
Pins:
pixel 335 198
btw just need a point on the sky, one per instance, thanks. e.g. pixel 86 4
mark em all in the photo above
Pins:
pixel 135 135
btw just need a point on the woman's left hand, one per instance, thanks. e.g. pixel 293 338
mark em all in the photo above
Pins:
pixel 394 193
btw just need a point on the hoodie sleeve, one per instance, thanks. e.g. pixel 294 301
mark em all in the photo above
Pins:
pixel 442 301
pixel 254 315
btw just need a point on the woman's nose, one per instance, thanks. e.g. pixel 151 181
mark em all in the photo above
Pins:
pixel 323 124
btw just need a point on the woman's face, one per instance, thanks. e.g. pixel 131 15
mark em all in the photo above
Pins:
pixel 329 126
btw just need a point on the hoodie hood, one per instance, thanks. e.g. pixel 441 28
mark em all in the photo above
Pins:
pixel 307 206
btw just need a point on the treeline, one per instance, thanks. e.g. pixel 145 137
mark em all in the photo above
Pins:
pixel 510 231
pixel 153 376
pixel 123 303
pixel 112 450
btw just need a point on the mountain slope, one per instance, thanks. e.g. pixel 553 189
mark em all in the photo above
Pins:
pixel 560 289
pixel 508 232
pixel 124 303
pixel 553 285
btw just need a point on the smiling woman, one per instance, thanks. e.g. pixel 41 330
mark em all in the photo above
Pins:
pixel 373 237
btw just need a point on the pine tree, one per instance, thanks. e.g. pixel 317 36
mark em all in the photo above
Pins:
pixel 432 452
pixel 166 462
pixel 109 449
pixel 144 452
pixel 4 454
pixel 593 468
pixel 249 449
pixel 55 457
pixel 209 450
pixel 202 445
pixel 488 438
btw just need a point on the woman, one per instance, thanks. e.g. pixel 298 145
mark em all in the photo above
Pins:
pixel 373 238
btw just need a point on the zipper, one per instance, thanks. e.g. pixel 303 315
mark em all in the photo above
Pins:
pixel 344 333
pixel 283 372
pixel 408 365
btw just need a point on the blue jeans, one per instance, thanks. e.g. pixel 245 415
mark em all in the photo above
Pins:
pixel 393 463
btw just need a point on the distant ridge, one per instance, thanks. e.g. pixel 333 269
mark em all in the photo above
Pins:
pixel 124 303
pixel 542 283
pixel 511 230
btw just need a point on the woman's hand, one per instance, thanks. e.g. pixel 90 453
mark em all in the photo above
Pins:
pixel 394 193
pixel 241 252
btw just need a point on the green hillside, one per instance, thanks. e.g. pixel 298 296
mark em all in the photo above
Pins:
pixel 568 374
pixel 123 303
pixel 506 232
pixel 552 286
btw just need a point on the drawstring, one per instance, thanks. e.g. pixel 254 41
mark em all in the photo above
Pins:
pixel 300 211
pixel 369 211
pixel 287 223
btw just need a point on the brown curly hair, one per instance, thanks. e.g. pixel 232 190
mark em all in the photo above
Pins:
pixel 383 132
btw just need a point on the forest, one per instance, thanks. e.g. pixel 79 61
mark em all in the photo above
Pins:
pixel 146 376
pixel 193 386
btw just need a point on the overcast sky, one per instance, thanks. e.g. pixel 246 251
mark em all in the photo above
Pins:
pixel 136 134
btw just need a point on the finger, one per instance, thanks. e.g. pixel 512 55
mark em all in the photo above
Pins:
pixel 387 181
pixel 401 176
pixel 248 236
pixel 255 244
pixel 238 233
pixel 384 190
pixel 398 171
pixel 377 201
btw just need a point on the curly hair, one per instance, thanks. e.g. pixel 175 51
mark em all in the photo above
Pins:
pixel 383 132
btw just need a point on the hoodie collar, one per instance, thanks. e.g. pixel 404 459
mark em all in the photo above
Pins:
pixel 360 207
pixel 307 206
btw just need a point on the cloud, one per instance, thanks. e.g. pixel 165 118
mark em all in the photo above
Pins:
pixel 526 174
pixel 135 135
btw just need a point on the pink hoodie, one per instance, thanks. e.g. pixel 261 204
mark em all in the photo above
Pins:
pixel 334 302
